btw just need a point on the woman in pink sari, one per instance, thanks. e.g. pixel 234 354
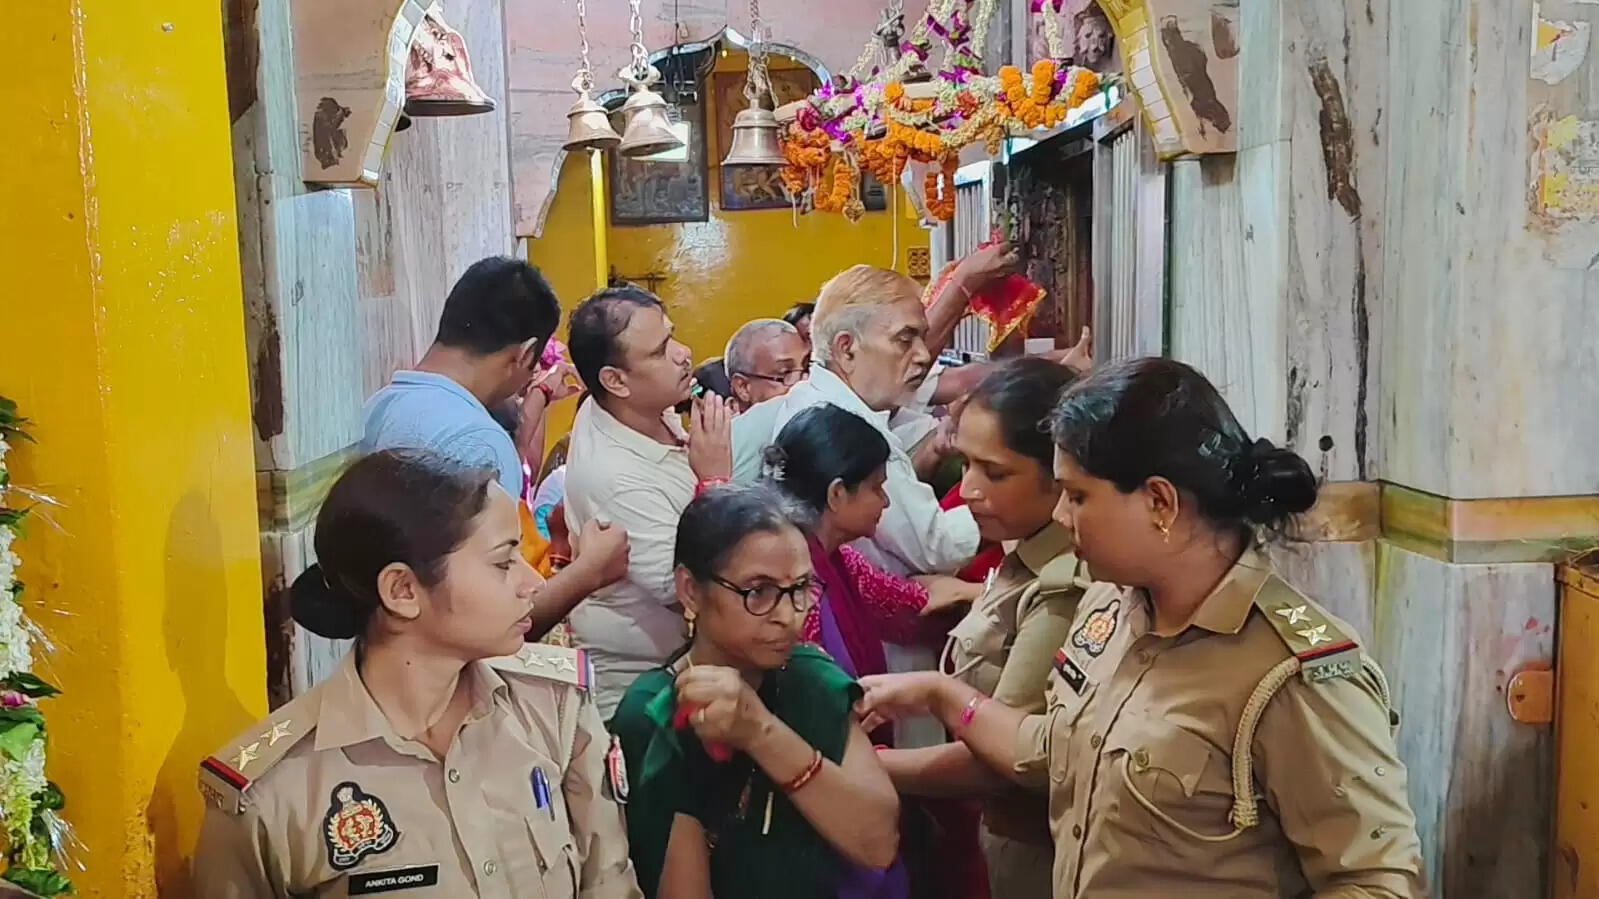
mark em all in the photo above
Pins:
pixel 832 463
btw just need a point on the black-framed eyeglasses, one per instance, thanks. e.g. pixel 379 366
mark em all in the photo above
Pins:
pixel 762 599
pixel 787 378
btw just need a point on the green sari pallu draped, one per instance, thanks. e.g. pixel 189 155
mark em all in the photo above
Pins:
pixel 761 847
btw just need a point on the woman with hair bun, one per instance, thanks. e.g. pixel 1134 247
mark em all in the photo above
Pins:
pixel 444 757
pixel 1210 730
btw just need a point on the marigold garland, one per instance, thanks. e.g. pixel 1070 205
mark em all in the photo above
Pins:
pixel 876 126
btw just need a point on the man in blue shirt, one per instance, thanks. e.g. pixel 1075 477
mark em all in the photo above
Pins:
pixel 495 323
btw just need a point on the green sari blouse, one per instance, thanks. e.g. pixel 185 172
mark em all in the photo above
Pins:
pixel 760 844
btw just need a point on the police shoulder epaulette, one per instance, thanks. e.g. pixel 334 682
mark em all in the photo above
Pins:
pixel 225 776
pixel 1062 573
pixel 557 663
pixel 1324 650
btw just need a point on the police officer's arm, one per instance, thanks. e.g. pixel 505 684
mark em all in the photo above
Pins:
pixel 231 859
pixel 597 825
pixel 1325 754
pixel 995 733
pixel 951 769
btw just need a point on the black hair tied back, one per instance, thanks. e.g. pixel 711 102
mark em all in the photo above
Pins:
pixel 319 608
pixel 1272 483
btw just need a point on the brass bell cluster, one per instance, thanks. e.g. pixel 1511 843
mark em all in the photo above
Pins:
pixel 646 128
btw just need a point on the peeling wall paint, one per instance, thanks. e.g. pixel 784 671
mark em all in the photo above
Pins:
pixel 1558 48
pixel 1566 169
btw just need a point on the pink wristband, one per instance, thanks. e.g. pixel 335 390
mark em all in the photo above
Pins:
pixel 970 712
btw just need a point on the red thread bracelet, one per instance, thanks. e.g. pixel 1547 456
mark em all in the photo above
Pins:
pixel 708 483
pixel 804 777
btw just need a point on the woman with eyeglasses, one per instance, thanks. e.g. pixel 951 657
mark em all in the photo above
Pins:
pixel 750 776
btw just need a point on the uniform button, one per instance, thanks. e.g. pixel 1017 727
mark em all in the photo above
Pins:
pixel 1381 771
pixel 489 867
pixel 1077 832
pixel 1095 741
pixel 455 776
pixel 1141 759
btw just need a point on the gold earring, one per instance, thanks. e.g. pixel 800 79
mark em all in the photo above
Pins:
pixel 688 618
pixel 1165 531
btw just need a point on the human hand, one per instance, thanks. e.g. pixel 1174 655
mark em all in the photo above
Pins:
pixel 945 592
pixel 561 379
pixel 891 697
pixel 1080 358
pixel 710 438
pixel 602 554
pixel 981 267
pixel 721 707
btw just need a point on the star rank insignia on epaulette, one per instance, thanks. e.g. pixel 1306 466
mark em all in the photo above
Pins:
pixel 225 776
pixel 557 663
pixel 1324 651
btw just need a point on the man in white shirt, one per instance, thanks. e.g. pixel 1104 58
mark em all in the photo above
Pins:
pixel 868 343
pixel 765 358
pixel 631 464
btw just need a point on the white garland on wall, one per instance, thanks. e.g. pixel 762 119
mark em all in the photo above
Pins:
pixel 35 837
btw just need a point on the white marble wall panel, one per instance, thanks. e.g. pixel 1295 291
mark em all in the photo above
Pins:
pixel 1303 367
pixel 1450 637
pixel 302 328
pixel 1492 360
pixel 1227 272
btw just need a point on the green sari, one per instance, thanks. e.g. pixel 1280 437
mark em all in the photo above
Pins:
pixel 733 801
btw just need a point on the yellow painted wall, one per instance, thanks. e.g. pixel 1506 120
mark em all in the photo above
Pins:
pixel 572 254
pixel 751 264
pixel 121 336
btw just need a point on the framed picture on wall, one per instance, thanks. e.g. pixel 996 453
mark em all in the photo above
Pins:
pixel 744 187
pixel 662 191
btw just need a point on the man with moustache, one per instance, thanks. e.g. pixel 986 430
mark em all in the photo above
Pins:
pixel 632 464
pixel 870 354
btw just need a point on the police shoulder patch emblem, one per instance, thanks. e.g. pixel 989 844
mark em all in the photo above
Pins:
pixel 1093 635
pixel 357 825
pixel 616 770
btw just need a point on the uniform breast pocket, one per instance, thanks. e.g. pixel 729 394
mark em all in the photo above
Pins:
pixel 1065 709
pixel 1173 785
pixel 555 855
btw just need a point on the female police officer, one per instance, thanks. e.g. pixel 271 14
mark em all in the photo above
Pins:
pixel 1210 730
pixel 444 757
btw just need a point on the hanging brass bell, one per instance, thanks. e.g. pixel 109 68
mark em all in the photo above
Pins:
pixel 438 73
pixel 646 130
pixel 589 126
pixel 755 139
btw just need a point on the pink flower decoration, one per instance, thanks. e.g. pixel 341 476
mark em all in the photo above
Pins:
pixel 554 354
pixel 12 700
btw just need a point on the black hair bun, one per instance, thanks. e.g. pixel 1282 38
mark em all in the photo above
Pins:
pixel 321 609
pixel 1277 483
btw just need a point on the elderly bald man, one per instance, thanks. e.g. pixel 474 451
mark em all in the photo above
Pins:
pixel 764 359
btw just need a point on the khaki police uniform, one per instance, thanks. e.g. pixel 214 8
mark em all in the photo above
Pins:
pixel 1005 647
pixel 324 799
pixel 1249 753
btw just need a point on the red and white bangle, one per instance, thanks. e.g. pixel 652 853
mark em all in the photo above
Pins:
pixel 804 777
pixel 707 483
pixel 968 713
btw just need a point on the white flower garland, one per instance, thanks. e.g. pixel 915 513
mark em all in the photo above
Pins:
pixel 36 840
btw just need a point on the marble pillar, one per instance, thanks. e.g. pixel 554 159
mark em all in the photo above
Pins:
pixel 344 286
